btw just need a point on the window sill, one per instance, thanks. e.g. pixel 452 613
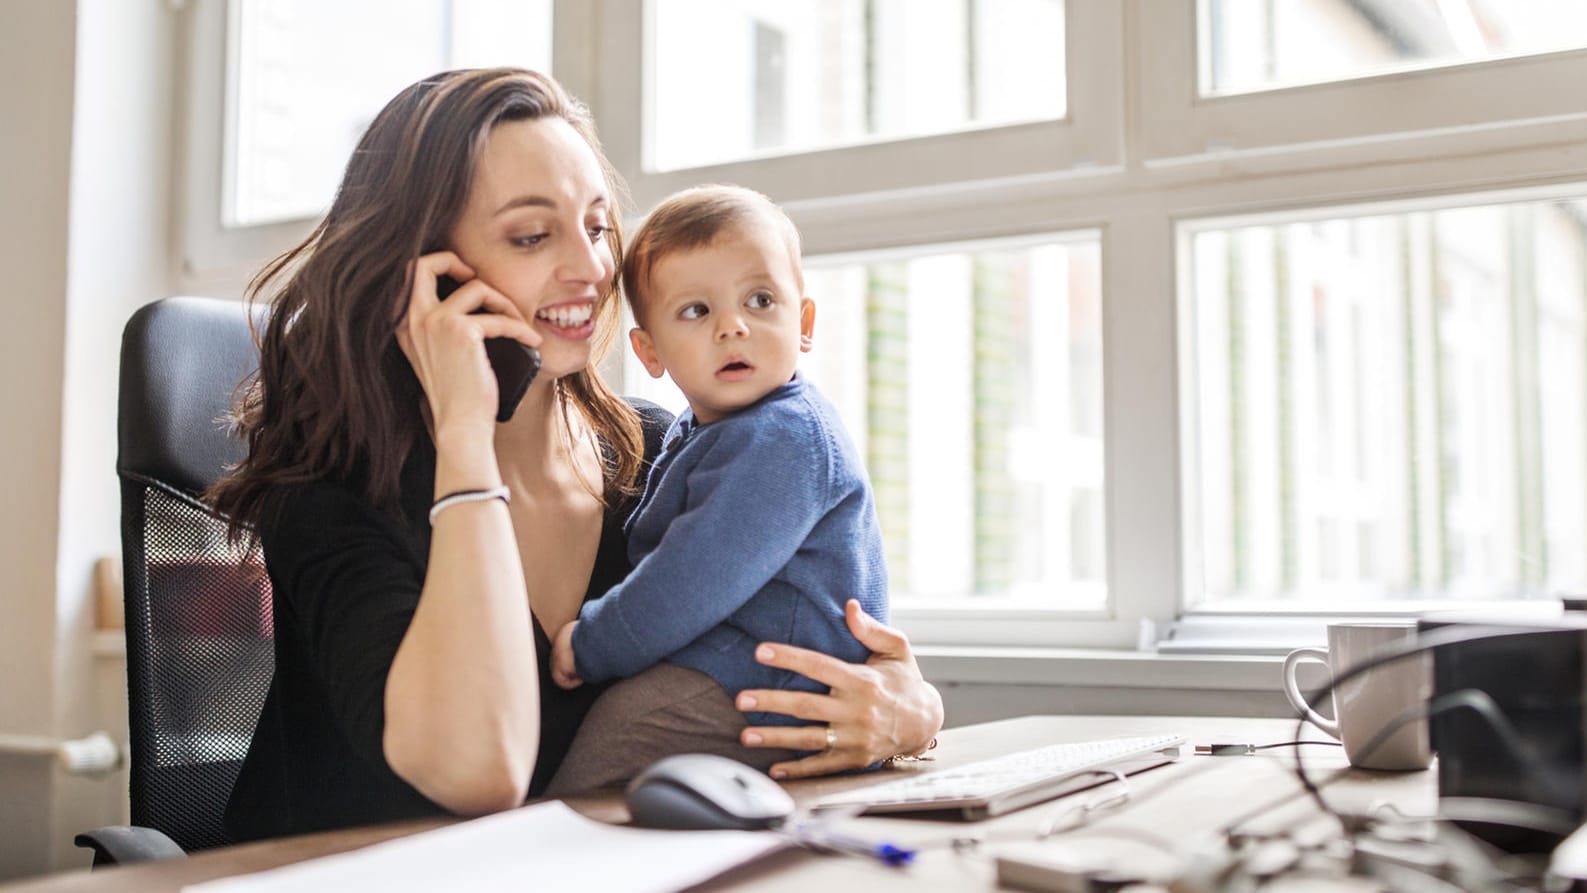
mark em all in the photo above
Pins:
pixel 1032 666
pixel 1098 668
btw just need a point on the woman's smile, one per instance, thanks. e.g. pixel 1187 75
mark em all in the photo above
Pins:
pixel 575 320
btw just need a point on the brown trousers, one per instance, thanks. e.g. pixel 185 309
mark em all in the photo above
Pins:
pixel 662 711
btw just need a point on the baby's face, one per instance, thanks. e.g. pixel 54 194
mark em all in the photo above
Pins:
pixel 726 320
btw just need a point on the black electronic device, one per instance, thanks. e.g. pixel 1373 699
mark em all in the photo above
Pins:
pixel 1533 670
pixel 514 362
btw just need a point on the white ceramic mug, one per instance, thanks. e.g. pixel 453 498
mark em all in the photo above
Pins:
pixel 1368 703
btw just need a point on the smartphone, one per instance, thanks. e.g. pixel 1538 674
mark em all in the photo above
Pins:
pixel 514 362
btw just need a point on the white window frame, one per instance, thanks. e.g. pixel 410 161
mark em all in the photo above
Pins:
pixel 1087 139
pixel 211 255
pixel 1140 160
pixel 215 258
pixel 1422 110
pixel 1143 209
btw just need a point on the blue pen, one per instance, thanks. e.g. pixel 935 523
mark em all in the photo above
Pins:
pixel 815 836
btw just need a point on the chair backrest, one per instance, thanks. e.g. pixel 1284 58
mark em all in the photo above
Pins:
pixel 199 636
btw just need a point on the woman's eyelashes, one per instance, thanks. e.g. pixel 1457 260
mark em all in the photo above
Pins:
pixel 596 232
pixel 532 240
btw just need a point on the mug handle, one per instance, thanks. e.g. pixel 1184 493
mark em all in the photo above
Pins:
pixel 1292 688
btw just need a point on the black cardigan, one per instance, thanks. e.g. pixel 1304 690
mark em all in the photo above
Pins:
pixel 346 579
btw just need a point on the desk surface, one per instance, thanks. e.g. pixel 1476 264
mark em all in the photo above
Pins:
pixel 1177 804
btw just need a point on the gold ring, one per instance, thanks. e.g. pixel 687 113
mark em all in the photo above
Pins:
pixel 832 738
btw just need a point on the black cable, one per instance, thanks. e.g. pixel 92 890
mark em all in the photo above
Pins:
pixel 1471 698
pixel 1419 643
pixel 1415 644
pixel 1137 799
pixel 1216 749
pixel 1479 702
pixel 1228 829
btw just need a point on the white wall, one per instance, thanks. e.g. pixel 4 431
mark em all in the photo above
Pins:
pixel 85 238
pixel 37 49
pixel 965 703
pixel 119 258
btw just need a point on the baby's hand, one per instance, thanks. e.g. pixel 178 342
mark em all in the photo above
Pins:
pixel 563 672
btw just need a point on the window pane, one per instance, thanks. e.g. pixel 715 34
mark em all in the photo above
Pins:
pixel 1250 45
pixel 984 446
pixel 1394 406
pixel 311 74
pixel 737 78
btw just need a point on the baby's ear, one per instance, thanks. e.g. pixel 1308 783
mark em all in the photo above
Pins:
pixel 645 349
pixel 807 324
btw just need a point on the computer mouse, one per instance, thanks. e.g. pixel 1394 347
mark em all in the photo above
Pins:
pixel 703 792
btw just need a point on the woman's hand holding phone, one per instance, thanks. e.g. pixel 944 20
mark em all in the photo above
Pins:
pixel 444 340
pixel 516 364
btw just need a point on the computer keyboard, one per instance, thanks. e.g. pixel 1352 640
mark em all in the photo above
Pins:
pixel 1003 784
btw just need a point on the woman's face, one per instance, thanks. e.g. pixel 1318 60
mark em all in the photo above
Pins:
pixel 534 228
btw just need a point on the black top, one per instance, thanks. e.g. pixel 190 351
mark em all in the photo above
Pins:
pixel 346 579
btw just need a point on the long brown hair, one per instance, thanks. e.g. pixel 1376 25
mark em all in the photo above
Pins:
pixel 334 395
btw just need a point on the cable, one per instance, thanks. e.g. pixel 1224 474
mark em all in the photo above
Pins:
pixel 1240 750
pixel 1067 819
pixel 1479 702
pixel 1420 643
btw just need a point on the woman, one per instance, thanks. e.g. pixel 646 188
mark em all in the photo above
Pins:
pixel 411 659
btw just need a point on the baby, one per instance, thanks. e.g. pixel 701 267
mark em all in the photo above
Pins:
pixel 757 522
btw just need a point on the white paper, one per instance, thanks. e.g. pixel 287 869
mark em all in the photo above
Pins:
pixel 543 847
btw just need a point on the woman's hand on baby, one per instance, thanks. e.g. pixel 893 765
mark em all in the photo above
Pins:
pixel 445 341
pixel 875 710
pixel 563 671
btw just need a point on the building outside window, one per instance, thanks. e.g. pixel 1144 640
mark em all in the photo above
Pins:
pixel 1392 406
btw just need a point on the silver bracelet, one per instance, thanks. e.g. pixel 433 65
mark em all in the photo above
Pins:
pixel 462 496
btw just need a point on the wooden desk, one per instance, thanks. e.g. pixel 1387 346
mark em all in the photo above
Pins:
pixel 1198 796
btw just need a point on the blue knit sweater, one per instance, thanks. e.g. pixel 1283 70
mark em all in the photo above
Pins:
pixel 754 528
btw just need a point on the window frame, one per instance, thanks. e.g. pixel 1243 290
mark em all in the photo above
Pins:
pixel 1088 138
pixel 1420 109
pixel 1135 162
pixel 1194 604
pixel 212 256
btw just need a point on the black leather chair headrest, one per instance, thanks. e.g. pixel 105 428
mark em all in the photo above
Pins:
pixel 181 361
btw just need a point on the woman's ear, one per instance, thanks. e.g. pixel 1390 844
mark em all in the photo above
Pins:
pixel 807 324
pixel 645 349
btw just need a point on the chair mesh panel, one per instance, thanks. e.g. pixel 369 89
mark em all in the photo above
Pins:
pixel 199 660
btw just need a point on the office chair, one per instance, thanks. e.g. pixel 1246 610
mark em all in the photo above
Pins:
pixel 198 619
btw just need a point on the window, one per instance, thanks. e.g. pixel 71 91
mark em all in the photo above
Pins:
pixel 1309 336
pixel 784 77
pixel 309 76
pixel 832 98
pixel 1249 45
pixel 1393 406
pixel 1239 78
